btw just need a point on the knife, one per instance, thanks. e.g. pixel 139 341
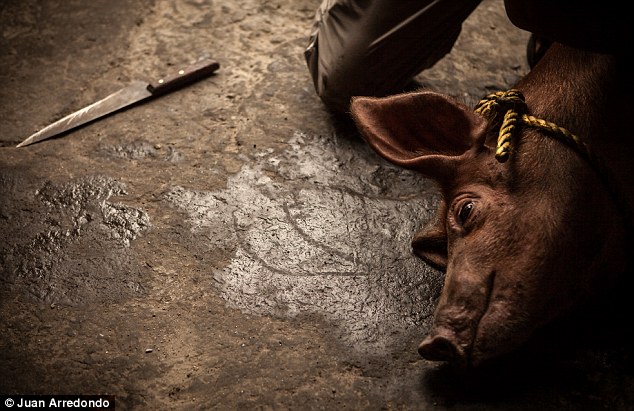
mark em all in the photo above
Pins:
pixel 132 94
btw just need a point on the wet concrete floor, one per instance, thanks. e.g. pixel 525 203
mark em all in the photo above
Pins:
pixel 232 245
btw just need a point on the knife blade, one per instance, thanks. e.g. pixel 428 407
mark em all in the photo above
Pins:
pixel 134 93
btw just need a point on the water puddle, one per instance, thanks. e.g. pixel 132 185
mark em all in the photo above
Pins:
pixel 323 228
pixel 73 242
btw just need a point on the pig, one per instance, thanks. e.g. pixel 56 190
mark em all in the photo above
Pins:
pixel 525 241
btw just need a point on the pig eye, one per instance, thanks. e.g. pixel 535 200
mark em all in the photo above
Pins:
pixel 465 211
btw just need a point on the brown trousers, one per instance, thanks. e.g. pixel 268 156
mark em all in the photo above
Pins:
pixel 376 47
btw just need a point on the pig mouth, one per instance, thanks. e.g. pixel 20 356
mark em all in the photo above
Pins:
pixel 454 343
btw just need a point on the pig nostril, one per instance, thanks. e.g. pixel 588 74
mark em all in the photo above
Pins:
pixel 439 348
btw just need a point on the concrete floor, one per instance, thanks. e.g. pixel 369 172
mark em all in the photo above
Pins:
pixel 231 245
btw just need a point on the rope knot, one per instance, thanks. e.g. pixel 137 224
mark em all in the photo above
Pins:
pixel 507 110
pixel 503 108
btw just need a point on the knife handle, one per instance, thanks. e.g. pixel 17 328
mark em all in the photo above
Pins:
pixel 195 72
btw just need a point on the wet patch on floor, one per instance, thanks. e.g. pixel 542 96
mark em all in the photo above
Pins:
pixel 322 229
pixel 49 258
pixel 140 150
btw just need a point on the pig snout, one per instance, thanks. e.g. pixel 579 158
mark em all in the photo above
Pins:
pixel 443 345
pixel 462 305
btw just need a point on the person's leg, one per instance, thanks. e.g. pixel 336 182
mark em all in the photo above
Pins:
pixel 375 47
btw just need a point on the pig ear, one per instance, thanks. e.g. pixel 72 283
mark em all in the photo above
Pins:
pixel 430 244
pixel 420 130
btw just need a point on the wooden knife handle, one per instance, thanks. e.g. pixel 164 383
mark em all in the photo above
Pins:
pixel 195 72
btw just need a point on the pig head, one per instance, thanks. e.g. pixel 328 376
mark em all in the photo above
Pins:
pixel 522 242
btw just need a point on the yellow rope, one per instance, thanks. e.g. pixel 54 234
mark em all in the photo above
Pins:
pixel 508 111
pixel 513 107
pixel 509 103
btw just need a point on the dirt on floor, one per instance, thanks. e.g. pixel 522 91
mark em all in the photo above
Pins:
pixel 232 245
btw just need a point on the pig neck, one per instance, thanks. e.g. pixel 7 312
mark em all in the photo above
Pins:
pixel 587 94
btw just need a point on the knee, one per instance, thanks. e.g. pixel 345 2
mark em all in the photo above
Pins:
pixel 335 92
